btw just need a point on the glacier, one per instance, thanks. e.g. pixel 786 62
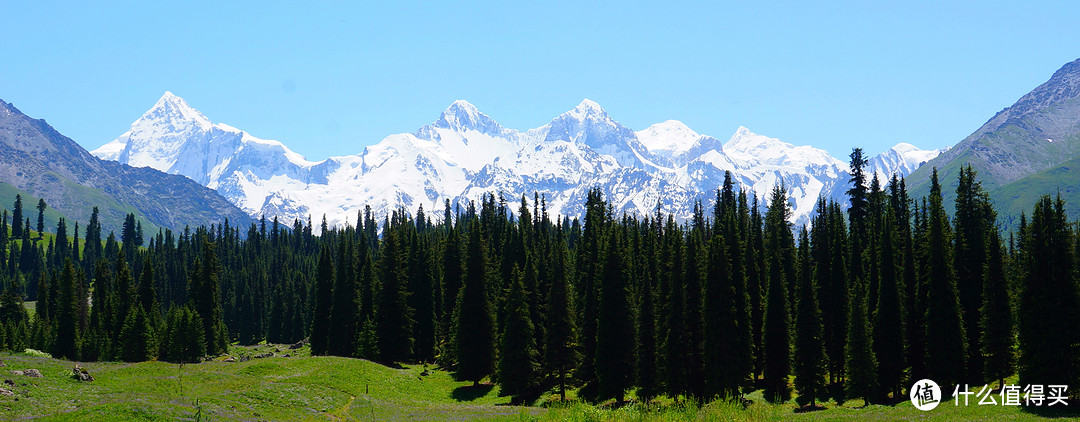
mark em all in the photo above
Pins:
pixel 465 153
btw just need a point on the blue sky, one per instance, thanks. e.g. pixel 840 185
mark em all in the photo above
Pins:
pixel 330 78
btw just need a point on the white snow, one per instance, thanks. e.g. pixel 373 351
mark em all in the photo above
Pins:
pixel 464 153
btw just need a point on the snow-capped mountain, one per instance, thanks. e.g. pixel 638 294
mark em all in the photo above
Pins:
pixel 901 159
pixel 465 153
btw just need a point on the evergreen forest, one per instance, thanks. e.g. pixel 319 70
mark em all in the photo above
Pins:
pixel 873 295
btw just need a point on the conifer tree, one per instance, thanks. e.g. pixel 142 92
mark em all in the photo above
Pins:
pixel 324 299
pixel 998 337
pixel 17 218
pixel 474 333
pixel 729 224
pixel 41 215
pixel 857 212
pixel 422 292
pixel 614 332
pixel 206 298
pixel 648 381
pixel 756 281
pixel 184 337
pixel 946 347
pixel 860 367
pixel 1049 310
pixel 345 307
pixel 517 370
pixel 675 347
pixel 561 349
pixel 588 262
pixel 888 324
pixel 809 359
pixel 777 322
pixel 452 273
pixel 393 318
pixel 137 341
pixel 974 217
pixel 694 275
pixel 721 347
pixel 66 317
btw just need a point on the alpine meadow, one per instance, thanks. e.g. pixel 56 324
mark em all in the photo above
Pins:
pixel 903 244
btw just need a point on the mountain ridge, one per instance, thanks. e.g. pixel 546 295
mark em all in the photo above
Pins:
pixel 37 159
pixel 465 153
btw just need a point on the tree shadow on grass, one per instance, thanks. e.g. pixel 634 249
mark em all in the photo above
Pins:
pixel 1057 411
pixel 471 392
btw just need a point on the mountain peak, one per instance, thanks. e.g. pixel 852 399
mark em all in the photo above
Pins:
pixel 671 135
pixel 588 106
pixel 172 107
pixel 461 107
pixel 462 115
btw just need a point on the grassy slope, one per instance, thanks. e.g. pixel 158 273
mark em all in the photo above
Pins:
pixel 1022 194
pixel 7 201
pixel 331 388
pixel 112 212
pixel 296 388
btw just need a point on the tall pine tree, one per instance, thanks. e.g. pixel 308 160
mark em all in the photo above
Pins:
pixel 809 359
pixel 946 345
pixel 1049 309
pixel 475 331
pixel 614 332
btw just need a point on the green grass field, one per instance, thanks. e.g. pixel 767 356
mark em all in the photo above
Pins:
pixel 302 387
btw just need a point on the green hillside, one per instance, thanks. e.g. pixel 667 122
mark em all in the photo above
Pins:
pixel 1017 197
pixel 111 212
pixel 295 388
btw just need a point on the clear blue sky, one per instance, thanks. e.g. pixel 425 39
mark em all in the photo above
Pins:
pixel 328 79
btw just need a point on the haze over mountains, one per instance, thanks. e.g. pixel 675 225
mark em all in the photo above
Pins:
pixel 465 153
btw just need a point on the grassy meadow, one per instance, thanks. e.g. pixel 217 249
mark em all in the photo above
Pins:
pixel 301 387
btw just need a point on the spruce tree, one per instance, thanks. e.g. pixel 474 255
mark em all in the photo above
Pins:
pixel 729 220
pixel 324 298
pixel 475 330
pixel 946 345
pixel 67 323
pixel 393 318
pixel 588 262
pixel 777 321
pixel 860 367
pixel 422 292
pixel 998 336
pixel 614 332
pixel 809 358
pixel 694 275
pixel 721 346
pixel 675 341
pixel 41 216
pixel 858 212
pixel 452 272
pixel 137 340
pixel 1049 310
pixel 345 307
pixel 561 349
pixel 648 381
pixel 206 295
pixel 974 217
pixel 517 371
pixel 888 323
pixel 17 218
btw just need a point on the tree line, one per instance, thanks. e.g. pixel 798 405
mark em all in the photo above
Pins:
pixel 860 304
